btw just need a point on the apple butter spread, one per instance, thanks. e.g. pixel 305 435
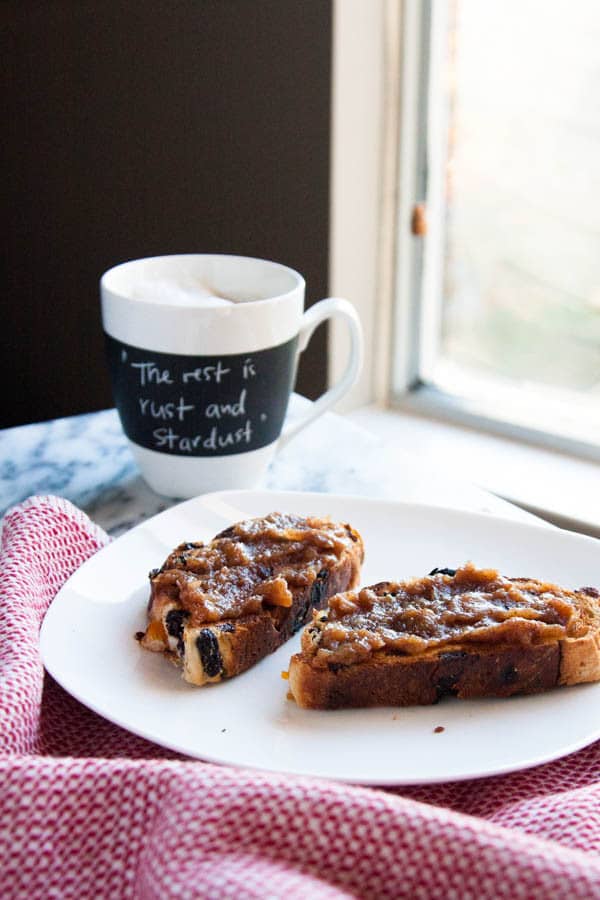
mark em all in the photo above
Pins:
pixel 416 616
pixel 252 564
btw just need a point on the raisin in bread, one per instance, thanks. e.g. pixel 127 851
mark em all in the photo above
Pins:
pixel 215 609
pixel 469 633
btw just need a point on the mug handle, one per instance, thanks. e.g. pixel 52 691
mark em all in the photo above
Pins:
pixel 332 307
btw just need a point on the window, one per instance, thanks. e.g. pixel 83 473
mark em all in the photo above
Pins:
pixel 498 292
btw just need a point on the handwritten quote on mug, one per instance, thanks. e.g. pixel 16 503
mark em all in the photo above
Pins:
pixel 202 405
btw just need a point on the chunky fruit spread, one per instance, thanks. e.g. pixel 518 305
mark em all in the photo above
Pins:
pixel 250 565
pixel 449 607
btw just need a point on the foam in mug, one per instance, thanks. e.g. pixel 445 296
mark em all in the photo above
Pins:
pixel 203 351
pixel 179 291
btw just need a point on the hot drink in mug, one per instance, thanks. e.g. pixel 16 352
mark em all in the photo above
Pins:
pixel 203 352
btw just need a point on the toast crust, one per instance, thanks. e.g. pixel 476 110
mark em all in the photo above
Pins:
pixel 217 609
pixel 531 661
pixel 580 656
pixel 388 680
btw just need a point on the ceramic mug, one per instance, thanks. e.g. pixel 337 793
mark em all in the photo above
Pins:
pixel 203 353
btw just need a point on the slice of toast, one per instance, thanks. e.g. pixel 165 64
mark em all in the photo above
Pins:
pixel 216 609
pixel 467 633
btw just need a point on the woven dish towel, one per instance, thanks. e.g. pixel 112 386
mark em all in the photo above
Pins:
pixel 90 811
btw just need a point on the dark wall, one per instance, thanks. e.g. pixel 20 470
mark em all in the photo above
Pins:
pixel 148 127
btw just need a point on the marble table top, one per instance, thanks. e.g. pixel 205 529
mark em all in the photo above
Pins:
pixel 86 459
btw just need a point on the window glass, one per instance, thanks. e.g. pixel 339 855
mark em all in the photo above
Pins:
pixel 521 261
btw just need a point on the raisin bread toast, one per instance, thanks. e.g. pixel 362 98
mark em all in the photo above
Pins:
pixel 216 609
pixel 468 633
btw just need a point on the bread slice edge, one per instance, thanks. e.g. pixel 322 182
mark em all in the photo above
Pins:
pixel 478 670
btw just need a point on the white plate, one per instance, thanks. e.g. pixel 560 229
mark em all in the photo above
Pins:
pixel 88 646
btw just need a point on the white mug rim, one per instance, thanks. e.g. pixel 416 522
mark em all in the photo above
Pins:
pixel 299 281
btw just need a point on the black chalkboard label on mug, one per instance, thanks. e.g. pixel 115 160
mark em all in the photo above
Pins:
pixel 201 405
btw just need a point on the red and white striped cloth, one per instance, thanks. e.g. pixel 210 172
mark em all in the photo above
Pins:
pixel 90 811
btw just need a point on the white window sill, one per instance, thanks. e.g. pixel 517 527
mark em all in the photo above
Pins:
pixel 560 488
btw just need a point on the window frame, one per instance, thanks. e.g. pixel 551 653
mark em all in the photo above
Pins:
pixel 424 119
pixel 398 129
